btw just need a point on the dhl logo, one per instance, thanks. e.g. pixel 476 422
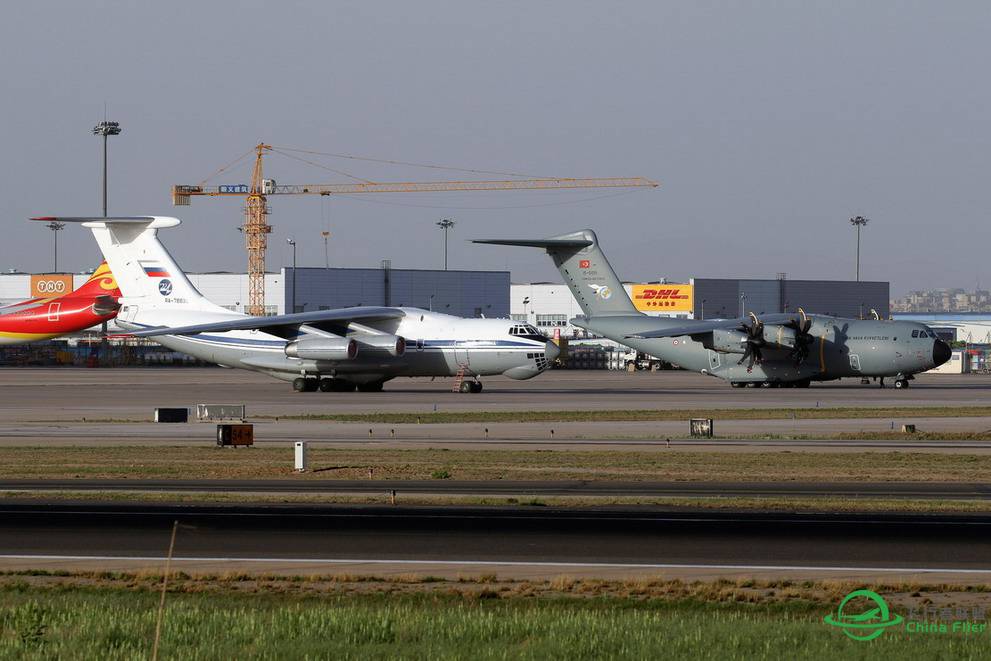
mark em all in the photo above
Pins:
pixel 661 294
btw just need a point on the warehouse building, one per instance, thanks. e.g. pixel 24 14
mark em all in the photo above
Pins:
pixel 550 306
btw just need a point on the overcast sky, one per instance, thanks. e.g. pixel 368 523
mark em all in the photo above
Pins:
pixel 768 125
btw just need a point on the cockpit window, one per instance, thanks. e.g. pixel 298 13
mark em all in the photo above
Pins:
pixel 527 331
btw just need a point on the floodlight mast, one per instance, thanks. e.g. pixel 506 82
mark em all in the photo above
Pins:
pixel 106 129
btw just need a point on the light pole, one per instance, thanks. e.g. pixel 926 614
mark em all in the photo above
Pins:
pixel 326 254
pixel 703 310
pixel 526 302
pixel 445 225
pixel 743 304
pixel 858 222
pixel 106 129
pixel 293 244
pixel 55 227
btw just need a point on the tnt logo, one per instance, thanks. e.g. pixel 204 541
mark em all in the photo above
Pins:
pixel 584 264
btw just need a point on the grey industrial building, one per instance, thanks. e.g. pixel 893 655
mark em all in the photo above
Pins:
pixel 460 293
pixel 731 297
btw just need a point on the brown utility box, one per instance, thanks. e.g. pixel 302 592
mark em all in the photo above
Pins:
pixel 235 435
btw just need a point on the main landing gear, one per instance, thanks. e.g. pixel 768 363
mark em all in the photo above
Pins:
pixel 801 383
pixel 303 384
pixel 470 386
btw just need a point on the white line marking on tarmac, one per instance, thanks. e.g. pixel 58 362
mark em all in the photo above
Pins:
pixel 508 563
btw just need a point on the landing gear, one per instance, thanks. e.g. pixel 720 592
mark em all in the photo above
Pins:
pixel 373 386
pixel 901 384
pixel 803 383
pixel 737 384
pixel 326 385
pixel 301 384
pixel 471 386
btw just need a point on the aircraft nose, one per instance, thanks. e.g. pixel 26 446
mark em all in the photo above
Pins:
pixel 941 352
pixel 552 351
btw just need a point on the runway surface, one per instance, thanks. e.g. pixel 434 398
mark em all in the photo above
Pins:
pixel 901 490
pixel 40 394
pixel 527 542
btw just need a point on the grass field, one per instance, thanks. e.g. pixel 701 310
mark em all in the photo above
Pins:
pixel 646 415
pixel 423 464
pixel 485 620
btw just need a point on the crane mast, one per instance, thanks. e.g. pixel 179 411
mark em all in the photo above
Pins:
pixel 256 228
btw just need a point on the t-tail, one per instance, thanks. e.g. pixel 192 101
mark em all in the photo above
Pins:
pixel 585 270
pixel 145 272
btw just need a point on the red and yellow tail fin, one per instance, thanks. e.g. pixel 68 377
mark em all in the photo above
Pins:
pixel 101 282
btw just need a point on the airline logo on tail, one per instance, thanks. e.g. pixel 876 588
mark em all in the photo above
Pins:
pixel 602 291
pixel 154 269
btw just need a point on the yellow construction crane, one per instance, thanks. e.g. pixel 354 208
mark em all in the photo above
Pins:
pixel 256 227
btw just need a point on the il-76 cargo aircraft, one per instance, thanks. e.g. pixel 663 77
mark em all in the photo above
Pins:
pixel 329 350
pixel 775 349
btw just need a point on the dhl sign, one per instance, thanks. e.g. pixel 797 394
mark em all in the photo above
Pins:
pixel 662 298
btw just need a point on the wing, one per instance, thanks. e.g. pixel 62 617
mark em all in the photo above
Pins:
pixel 283 324
pixel 701 327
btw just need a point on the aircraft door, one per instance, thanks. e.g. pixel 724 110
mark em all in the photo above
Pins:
pixel 460 354
pixel 54 311
pixel 855 362
pixel 713 360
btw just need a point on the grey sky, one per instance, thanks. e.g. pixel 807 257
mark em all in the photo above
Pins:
pixel 768 124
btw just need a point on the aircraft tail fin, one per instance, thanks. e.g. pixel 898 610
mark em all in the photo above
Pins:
pixel 145 272
pixel 585 270
pixel 100 283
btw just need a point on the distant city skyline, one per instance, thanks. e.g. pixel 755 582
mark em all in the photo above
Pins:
pixel 769 126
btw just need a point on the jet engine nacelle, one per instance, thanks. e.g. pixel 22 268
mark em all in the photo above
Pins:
pixel 726 341
pixel 392 345
pixel 323 348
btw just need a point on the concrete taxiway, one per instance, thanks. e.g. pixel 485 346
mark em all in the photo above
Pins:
pixel 900 490
pixel 53 394
pixel 512 542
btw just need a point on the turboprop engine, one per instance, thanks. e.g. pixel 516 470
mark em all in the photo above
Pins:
pixel 323 348
pixel 726 341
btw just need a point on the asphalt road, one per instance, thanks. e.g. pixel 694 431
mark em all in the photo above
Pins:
pixel 53 535
pixel 909 490
pixel 39 394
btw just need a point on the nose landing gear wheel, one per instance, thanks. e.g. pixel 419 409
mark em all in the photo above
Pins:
pixel 476 386
pixel 901 384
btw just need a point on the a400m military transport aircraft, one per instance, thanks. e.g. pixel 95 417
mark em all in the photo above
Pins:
pixel 329 350
pixel 776 349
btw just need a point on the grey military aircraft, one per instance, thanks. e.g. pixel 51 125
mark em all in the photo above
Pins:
pixel 776 350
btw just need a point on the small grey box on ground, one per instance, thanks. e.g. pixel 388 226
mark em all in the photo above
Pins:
pixel 210 412
pixel 234 435
pixel 700 427
pixel 171 415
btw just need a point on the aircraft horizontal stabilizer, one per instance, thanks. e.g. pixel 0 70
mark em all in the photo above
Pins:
pixel 341 315
pixel 538 243
pixel 154 222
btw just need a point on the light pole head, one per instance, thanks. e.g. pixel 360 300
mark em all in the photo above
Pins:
pixel 55 226
pixel 106 128
pixel 445 224
pixel 859 221
pixel 291 242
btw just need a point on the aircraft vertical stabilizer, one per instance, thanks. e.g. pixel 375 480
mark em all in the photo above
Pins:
pixel 145 271
pixel 585 270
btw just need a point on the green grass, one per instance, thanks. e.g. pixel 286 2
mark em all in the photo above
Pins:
pixel 80 623
pixel 660 463
pixel 598 415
